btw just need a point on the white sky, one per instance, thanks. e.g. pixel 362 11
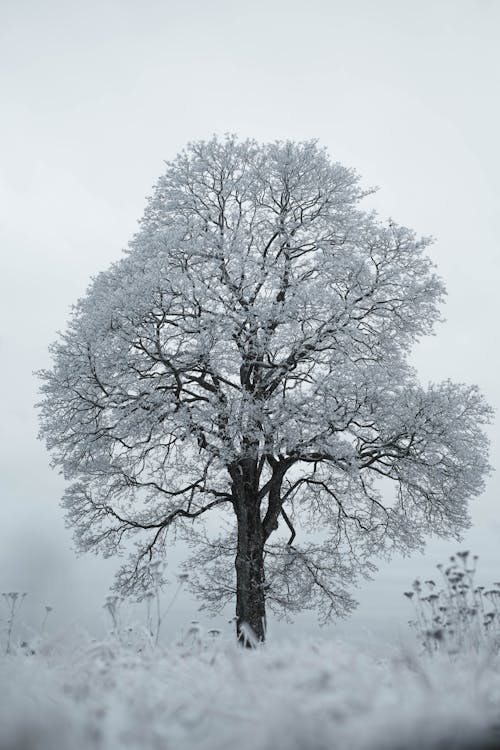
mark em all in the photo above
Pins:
pixel 95 95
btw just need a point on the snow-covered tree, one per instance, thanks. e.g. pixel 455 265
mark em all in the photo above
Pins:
pixel 247 356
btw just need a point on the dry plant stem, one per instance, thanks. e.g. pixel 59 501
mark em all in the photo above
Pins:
pixel 111 606
pixel 161 615
pixel 48 610
pixel 14 601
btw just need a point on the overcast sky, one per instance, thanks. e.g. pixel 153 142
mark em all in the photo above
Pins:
pixel 96 95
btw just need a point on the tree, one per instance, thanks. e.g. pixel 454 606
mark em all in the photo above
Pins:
pixel 247 356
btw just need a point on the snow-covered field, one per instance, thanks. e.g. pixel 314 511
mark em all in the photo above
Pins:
pixel 79 694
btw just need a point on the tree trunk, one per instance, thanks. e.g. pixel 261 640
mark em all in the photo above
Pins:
pixel 250 595
pixel 249 563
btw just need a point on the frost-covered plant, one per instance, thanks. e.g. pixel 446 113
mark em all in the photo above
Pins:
pixel 14 600
pixel 124 634
pixel 247 358
pixel 156 611
pixel 153 599
pixel 112 607
pixel 460 616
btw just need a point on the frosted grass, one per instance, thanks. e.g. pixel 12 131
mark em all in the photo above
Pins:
pixel 310 695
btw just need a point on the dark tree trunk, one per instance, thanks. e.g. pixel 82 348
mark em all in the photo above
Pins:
pixel 249 563
pixel 250 595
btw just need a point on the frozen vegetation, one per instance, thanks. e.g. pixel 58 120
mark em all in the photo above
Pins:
pixel 207 693
pixel 204 692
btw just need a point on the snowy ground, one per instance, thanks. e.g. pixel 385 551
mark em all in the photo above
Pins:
pixel 207 694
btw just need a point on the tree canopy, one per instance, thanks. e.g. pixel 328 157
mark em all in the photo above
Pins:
pixel 248 355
